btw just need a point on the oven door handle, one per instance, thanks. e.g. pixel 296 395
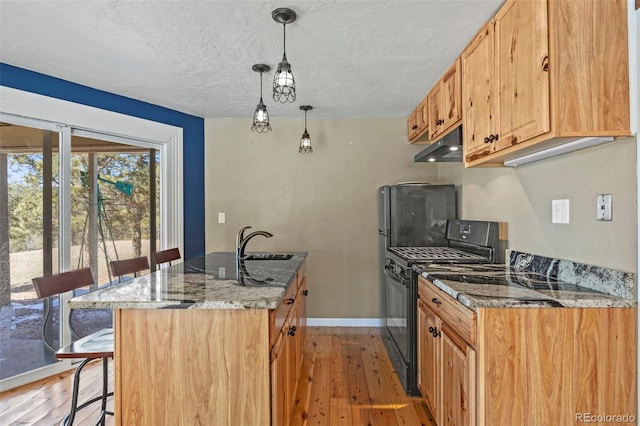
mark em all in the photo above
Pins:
pixel 392 275
pixel 397 278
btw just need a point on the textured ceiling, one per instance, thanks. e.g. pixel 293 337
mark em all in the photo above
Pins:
pixel 349 58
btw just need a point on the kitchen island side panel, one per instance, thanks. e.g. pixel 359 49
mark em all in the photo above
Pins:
pixel 191 366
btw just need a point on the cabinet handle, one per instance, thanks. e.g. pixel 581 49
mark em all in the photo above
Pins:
pixel 305 292
pixel 434 332
pixel 415 126
pixel 487 140
pixel 289 301
pixel 292 330
pixel 436 302
pixel 496 137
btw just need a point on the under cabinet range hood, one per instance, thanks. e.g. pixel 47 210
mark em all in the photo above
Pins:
pixel 447 149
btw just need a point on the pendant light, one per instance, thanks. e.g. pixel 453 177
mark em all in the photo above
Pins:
pixel 284 86
pixel 305 141
pixel 261 116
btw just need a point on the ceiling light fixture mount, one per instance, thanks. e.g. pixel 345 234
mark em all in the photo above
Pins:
pixel 305 141
pixel 261 116
pixel 284 86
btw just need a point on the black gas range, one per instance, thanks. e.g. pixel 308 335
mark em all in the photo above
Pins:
pixel 467 242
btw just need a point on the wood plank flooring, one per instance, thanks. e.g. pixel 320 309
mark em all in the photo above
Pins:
pixel 347 379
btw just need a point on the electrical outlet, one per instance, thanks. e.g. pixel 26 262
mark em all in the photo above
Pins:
pixel 603 205
pixel 560 211
pixel 221 218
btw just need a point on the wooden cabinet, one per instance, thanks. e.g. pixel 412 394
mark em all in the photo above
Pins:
pixel 429 355
pixel 418 124
pixel 446 363
pixel 279 375
pixel 287 352
pixel 444 103
pixel 458 370
pixel 522 72
pixel 479 118
pixel 543 73
pixel 525 365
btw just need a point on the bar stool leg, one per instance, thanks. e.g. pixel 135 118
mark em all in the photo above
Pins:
pixel 68 419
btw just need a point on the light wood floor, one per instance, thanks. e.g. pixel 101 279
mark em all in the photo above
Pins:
pixel 347 379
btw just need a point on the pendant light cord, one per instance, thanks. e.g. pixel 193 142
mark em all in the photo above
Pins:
pixel 305 120
pixel 260 86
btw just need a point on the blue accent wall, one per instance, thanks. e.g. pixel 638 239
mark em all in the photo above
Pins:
pixel 193 136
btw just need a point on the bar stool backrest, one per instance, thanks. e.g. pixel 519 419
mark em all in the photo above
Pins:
pixel 129 266
pixel 52 285
pixel 165 256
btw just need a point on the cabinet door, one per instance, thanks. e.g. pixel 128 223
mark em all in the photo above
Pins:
pixel 302 318
pixel 478 94
pixel 293 357
pixel 434 114
pixel 458 381
pixel 522 77
pixel 412 126
pixel 450 96
pixel 429 371
pixel 418 123
pixel 279 382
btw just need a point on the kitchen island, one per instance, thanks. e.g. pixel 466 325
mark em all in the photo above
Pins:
pixel 194 343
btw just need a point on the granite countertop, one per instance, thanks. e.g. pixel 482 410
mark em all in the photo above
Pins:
pixel 495 285
pixel 207 282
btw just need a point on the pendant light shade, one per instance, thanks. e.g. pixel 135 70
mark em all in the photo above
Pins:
pixel 284 85
pixel 261 116
pixel 305 141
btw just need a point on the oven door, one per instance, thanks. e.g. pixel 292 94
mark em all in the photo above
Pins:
pixel 400 323
pixel 397 292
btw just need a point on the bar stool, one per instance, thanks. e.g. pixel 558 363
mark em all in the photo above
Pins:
pixel 98 345
pixel 165 256
pixel 119 268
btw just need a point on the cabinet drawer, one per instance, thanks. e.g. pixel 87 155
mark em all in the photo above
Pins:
pixel 458 317
pixel 278 316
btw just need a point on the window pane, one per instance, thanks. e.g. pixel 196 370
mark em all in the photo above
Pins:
pixel 28 246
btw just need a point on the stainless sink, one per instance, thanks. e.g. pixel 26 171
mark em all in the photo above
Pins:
pixel 268 256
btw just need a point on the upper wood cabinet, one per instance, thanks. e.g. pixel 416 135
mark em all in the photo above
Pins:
pixel 444 101
pixel 543 73
pixel 418 124
pixel 478 94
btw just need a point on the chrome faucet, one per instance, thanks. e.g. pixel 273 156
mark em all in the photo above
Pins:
pixel 241 244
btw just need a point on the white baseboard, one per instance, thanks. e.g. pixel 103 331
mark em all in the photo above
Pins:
pixel 344 322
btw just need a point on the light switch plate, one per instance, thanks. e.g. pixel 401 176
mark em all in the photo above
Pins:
pixel 603 205
pixel 560 211
pixel 221 217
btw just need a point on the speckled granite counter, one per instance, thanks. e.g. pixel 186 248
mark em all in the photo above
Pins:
pixel 522 284
pixel 207 282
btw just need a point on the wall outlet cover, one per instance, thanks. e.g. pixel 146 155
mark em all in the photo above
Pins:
pixel 603 206
pixel 560 211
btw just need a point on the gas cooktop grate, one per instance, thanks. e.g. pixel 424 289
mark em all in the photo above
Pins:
pixel 434 253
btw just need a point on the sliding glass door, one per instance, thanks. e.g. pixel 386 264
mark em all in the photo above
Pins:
pixel 29 245
pixel 69 199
